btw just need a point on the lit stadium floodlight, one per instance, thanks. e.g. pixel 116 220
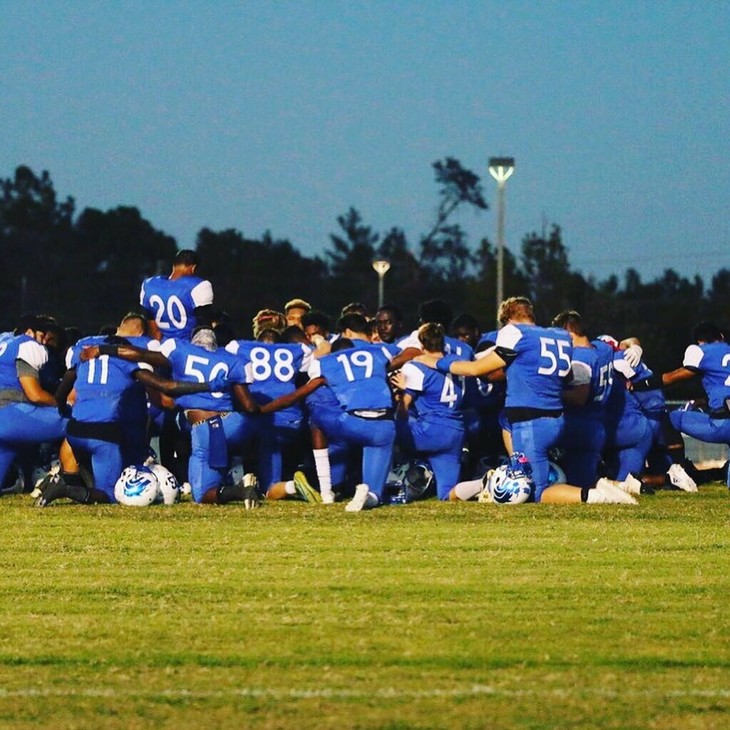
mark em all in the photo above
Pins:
pixel 382 267
pixel 501 169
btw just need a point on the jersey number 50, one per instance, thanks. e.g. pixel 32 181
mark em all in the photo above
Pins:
pixel 194 367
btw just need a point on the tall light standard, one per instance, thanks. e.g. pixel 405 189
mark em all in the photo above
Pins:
pixel 500 168
pixel 382 267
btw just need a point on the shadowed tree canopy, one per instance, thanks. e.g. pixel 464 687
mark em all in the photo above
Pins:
pixel 404 283
pixel 36 231
pixel 552 285
pixel 29 203
pixel 457 186
pixel 249 275
pixel 351 259
pixel 116 250
pixel 86 269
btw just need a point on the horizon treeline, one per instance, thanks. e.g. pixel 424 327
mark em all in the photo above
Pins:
pixel 85 268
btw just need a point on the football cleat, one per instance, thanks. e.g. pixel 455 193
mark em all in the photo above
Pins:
pixel 251 494
pixel 55 488
pixel 43 484
pixel 485 495
pixel 357 503
pixel 608 492
pixel 679 478
pixel 305 490
pixel 630 485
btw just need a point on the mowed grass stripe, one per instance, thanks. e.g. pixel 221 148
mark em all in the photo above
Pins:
pixel 312 605
pixel 383 692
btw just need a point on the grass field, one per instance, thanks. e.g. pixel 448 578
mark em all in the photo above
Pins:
pixel 425 616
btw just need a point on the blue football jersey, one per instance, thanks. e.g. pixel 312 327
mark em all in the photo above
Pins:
pixel 196 364
pixel 535 377
pixel 622 402
pixel 459 348
pixel 712 361
pixel 273 368
pixel 173 302
pixel 596 365
pixel 22 347
pixel 651 398
pixel 389 350
pixel 437 396
pixel 357 376
pixel 106 389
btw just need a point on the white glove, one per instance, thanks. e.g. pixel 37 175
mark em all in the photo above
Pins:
pixel 632 355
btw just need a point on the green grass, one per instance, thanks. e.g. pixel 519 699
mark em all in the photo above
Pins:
pixel 426 616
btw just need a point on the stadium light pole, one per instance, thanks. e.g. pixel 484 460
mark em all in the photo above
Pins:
pixel 382 267
pixel 500 168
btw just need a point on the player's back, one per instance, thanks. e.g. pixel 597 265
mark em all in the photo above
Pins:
pixel 622 403
pixel 536 376
pixel 172 302
pixel 647 388
pixel 358 377
pixel 438 395
pixel 274 366
pixel 598 359
pixel 195 364
pixel 712 361
pixel 103 384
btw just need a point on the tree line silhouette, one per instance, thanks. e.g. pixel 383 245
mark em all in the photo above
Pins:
pixel 86 268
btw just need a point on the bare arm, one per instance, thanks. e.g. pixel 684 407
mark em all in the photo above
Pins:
pixel 403 357
pixel 677 376
pixel 483 366
pixel 34 391
pixel 125 352
pixel 295 396
pixel 244 399
pixel 173 388
pixel 64 389
pixel 403 404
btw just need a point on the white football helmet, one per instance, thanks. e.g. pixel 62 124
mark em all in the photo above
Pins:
pixel 136 487
pixel 511 482
pixel 169 489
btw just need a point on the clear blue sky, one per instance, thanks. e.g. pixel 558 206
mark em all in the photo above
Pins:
pixel 281 115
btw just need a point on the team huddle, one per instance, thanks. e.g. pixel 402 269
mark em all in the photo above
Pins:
pixel 360 412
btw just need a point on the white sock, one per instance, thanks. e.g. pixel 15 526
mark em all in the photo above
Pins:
pixel 322 467
pixel 468 490
pixel 596 496
pixel 607 491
